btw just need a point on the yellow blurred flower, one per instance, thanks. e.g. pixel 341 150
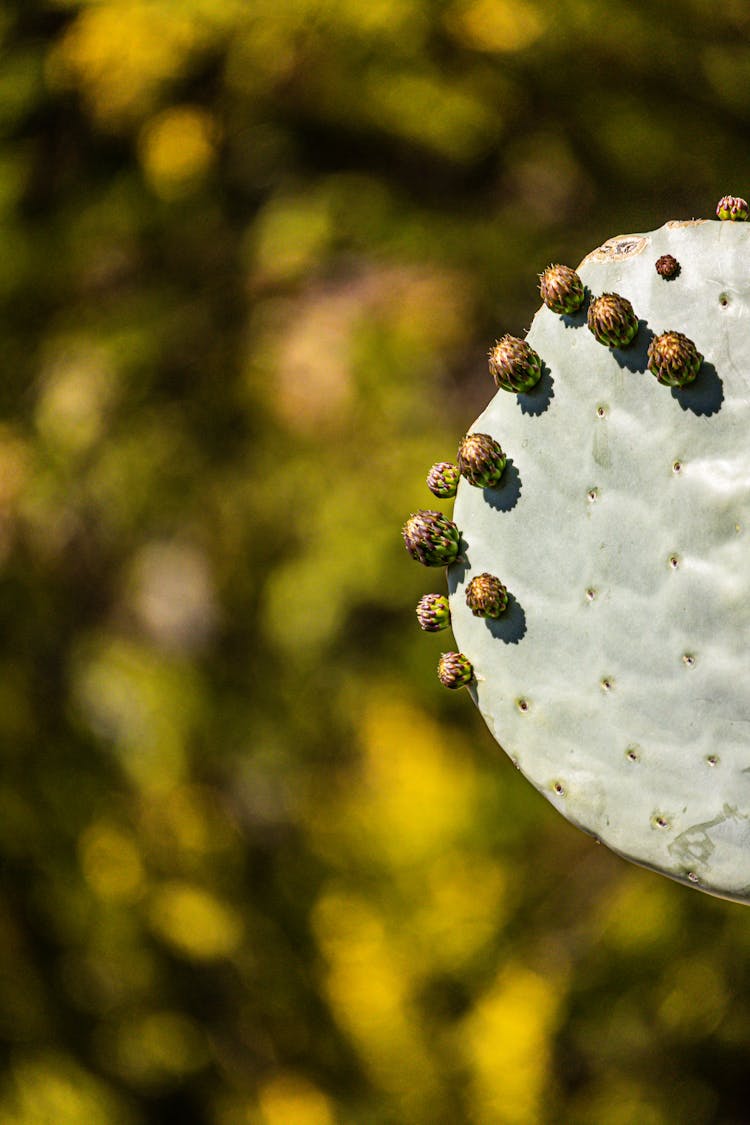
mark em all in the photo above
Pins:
pixel 177 148
pixel 290 1098
pixel 111 862
pixel 193 922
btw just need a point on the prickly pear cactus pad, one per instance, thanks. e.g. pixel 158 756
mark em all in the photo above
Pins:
pixel 617 677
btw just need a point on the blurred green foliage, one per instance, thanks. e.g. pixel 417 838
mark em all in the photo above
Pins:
pixel 258 868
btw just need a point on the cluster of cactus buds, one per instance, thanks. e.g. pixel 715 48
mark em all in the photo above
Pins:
pixel 612 673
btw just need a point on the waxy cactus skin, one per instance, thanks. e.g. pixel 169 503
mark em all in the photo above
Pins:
pixel 674 359
pixel 486 596
pixel 616 678
pixel 433 613
pixel 431 538
pixel 481 460
pixel 561 290
pixel 454 670
pixel 442 480
pixel 514 365
pixel 612 320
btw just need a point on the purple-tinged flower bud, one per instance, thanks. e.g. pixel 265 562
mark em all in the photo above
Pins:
pixel 486 596
pixel 442 479
pixel 431 538
pixel 433 613
pixel 612 320
pixel 481 460
pixel 514 365
pixel 667 267
pixel 561 289
pixel 454 670
pixel 673 359
pixel 732 207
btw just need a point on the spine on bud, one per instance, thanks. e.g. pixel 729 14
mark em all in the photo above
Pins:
pixel 454 670
pixel 481 460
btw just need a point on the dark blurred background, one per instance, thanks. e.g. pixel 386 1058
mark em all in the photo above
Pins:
pixel 258 867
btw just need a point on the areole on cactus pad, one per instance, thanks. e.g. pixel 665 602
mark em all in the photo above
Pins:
pixel 613 669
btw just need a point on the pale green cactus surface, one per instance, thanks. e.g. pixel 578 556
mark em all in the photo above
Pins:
pixel 618 678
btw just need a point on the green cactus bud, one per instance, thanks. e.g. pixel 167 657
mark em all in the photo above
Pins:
pixel 612 320
pixel 732 207
pixel 481 460
pixel 442 479
pixel 561 289
pixel 673 359
pixel 433 613
pixel 667 267
pixel 486 596
pixel 454 670
pixel 431 538
pixel 514 365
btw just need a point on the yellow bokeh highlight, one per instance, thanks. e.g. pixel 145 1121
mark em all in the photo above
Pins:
pixel 461 906
pixel 111 863
pixel 78 387
pixel 121 53
pixel 194 922
pixel 695 999
pixel 642 912
pixel 496 25
pixel 177 149
pixel 289 1098
pixel 50 1089
pixel 368 989
pixel 290 235
pixel 156 1047
pixel 412 795
pixel 506 1043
